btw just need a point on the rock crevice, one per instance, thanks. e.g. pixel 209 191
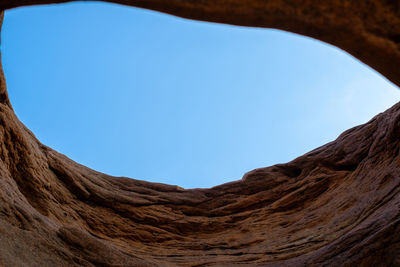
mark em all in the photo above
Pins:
pixel 338 205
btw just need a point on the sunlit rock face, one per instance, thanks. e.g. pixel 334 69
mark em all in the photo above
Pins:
pixel 337 205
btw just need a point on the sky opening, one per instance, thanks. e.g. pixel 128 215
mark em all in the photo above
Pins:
pixel 136 93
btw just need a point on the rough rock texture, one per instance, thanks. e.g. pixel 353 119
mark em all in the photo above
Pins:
pixel 338 205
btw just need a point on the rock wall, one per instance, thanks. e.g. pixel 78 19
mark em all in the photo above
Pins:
pixel 338 205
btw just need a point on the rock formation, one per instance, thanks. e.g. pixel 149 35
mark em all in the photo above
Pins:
pixel 338 205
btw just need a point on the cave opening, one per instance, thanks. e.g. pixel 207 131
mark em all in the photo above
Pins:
pixel 145 95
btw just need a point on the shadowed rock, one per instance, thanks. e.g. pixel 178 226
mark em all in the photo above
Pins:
pixel 338 205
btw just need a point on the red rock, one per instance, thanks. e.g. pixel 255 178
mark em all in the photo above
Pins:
pixel 338 205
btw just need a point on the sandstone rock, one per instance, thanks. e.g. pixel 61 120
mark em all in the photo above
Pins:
pixel 338 205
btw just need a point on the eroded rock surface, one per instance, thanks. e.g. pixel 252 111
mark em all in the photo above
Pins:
pixel 338 205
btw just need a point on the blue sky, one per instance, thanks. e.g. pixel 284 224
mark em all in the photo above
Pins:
pixel 136 93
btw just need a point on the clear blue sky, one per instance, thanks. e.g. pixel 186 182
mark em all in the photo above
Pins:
pixel 136 93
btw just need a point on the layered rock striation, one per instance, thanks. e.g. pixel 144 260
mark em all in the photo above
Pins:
pixel 338 205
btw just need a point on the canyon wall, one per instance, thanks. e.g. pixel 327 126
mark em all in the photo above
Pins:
pixel 338 205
